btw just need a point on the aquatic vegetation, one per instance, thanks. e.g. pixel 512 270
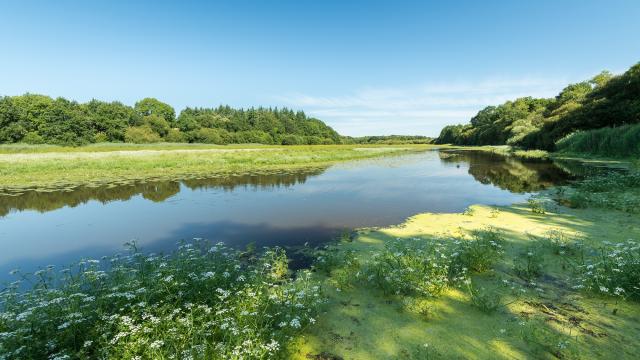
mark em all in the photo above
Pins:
pixel 615 271
pixel 537 207
pixel 203 301
pixel 611 190
pixel 480 252
pixel 414 267
pixel 487 300
pixel 530 263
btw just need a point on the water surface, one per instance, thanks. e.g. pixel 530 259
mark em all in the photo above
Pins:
pixel 288 209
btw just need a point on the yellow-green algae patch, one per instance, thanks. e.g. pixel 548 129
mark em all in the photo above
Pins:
pixel 361 322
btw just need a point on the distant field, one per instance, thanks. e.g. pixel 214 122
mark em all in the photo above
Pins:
pixel 54 167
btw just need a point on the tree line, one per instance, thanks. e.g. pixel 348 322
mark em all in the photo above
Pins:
pixel 606 100
pixel 40 119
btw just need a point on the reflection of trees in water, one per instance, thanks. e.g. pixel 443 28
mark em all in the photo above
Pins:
pixel 258 181
pixel 154 191
pixel 509 173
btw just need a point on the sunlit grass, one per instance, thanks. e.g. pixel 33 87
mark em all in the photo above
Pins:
pixel 201 302
pixel 58 169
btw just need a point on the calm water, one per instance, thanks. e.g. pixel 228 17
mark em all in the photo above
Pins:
pixel 290 209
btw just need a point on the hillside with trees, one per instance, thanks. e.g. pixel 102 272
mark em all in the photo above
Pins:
pixel 606 100
pixel 40 119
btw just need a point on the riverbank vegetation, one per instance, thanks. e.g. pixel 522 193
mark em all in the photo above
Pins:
pixel 534 280
pixel 606 100
pixel 555 277
pixel 618 142
pixel 204 301
pixel 108 165
pixel 40 119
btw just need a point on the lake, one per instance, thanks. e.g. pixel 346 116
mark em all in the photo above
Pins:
pixel 289 209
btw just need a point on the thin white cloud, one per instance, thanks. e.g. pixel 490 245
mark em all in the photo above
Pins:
pixel 423 109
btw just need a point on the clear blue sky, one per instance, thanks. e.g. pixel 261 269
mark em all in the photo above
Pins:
pixel 365 67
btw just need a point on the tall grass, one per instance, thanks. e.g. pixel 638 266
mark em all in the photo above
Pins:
pixel 622 141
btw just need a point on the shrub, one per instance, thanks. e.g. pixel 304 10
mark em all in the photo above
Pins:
pixel 141 135
pixel 293 140
pixel 100 137
pixel 208 136
pixel 415 267
pixel 201 301
pixel 158 124
pixel 537 207
pixel 33 137
pixel 481 252
pixel 176 136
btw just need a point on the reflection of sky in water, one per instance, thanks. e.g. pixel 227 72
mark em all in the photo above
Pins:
pixel 362 193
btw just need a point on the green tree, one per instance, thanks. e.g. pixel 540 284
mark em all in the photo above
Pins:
pixel 152 106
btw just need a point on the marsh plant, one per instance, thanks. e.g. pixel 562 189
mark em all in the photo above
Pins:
pixel 202 302
pixel 612 190
pixel 544 339
pixel 487 300
pixel 413 267
pixel 529 264
pixel 561 243
pixel 480 252
pixel 536 206
pixel 426 267
pixel 614 272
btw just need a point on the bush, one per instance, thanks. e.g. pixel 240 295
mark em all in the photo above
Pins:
pixel 176 136
pixel 293 140
pixel 208 136
pixel 481 252
pixel 33 137
pixel 200 302
pixel 141 135
pixel 100 138
pixel 158 124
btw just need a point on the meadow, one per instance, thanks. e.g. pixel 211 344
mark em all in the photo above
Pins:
pixel 46 167
pixel 557 276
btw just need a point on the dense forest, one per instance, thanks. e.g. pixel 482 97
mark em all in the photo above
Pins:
pixel 38 119
pixel 606 100
pixel 389 139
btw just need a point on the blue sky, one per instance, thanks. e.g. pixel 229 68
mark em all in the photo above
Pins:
pixel 365 67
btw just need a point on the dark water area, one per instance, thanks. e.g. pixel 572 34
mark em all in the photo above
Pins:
pixel 290 209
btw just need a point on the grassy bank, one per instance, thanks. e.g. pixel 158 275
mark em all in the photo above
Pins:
pixel 558 283
pixel 204 301
pixel 61 167
pixel 620 142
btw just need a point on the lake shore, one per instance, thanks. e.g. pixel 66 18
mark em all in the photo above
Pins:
pixel 50 168
pixel 502 312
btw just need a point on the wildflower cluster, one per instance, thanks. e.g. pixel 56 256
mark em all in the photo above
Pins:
pixel 426 267
pixel 616 271
pixel 200 302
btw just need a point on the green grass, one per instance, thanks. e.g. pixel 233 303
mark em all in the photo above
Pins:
pixel 202 302
pixel 620 142
pixel 46 167
pixel 561 284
